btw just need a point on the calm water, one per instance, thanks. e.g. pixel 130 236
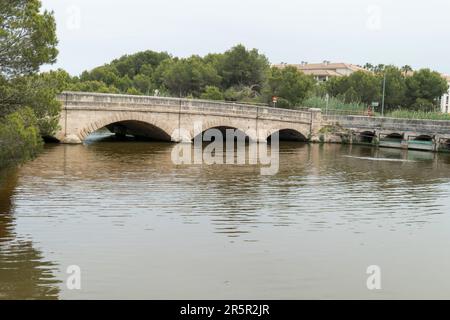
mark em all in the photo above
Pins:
pixel 141 227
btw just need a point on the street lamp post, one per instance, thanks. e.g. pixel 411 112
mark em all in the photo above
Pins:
pixel 384 94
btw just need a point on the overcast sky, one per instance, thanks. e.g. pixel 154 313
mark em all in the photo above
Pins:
pixel 93 32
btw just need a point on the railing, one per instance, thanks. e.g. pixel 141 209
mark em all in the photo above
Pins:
pixel 343 112
pixel 85 100
pixel 390 124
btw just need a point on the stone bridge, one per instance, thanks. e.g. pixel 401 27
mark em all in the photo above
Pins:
pixel 178 120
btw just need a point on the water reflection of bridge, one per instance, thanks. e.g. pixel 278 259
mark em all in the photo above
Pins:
pixel 241 189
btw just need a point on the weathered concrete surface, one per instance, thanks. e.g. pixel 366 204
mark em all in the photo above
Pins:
pixel 177 120
pixel 424 127
pixel 428 135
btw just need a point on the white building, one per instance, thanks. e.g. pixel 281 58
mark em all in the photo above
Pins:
pixel 445 99
pixel 325 70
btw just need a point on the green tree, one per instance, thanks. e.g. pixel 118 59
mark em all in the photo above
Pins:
pixel 360 86
pixel 143 83
pixel 425 85
pixel 38 92
pixel 395 87
pixel 288 84
pixel 92 86
pixel 106 74
pixel 242 67
pixel 28 105
pixel 424 105
pixel 19 137
pixel 189 76
pixel 212 93
pixel 27 37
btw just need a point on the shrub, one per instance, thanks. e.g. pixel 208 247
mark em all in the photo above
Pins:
pixel 20 139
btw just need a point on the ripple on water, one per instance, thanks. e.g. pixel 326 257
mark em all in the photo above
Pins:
pixel 133 192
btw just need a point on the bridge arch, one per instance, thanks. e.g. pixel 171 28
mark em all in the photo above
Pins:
pixel 394 136
pixel 238 133
pixel 287 134
pixel 222 124
pixel 423 137
pixel 142 124
pixel 366 136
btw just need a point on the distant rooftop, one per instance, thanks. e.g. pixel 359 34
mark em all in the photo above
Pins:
pixel 446 77
pixel 325 68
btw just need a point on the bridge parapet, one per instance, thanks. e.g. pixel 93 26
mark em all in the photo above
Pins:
pixel 421 126
pixel 82 100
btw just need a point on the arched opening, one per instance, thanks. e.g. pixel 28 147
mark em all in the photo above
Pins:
pixel 221 144
pixel 421 142
pixel 424 138
pixel 366 137
pixel 392 140
pixel 288 135
pixel 394 137
pixel 130 130
pixel 50 139
pixel 225 132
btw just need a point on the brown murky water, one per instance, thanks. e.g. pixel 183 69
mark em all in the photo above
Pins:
pixel 141 227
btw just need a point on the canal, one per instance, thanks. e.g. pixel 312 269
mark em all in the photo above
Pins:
pixel 139 226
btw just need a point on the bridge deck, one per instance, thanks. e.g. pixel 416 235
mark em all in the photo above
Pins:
pixel 119 102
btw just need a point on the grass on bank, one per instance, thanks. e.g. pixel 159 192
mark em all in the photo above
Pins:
pixel 336 106
pixel 408 114
pixel 333 104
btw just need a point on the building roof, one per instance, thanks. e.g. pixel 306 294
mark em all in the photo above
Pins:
pixel 320 72
pixel 324 69
pixel 446 77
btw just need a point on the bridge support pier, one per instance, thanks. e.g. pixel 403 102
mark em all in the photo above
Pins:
pixel 71 139
pixel 181 135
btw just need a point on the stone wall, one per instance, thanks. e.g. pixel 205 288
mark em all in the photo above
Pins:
pixel 429 135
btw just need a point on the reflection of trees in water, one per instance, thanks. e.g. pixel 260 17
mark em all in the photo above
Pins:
pixel 344 182
pixel 241 191
pixel 8 182
pixel 312 181
pixel 24 274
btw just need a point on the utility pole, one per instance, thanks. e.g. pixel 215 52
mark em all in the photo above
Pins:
pixel 384 93
pixel 327 98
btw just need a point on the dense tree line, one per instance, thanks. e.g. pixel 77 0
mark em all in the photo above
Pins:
pixel 405 88
pixel 240 74
pixel 28 108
